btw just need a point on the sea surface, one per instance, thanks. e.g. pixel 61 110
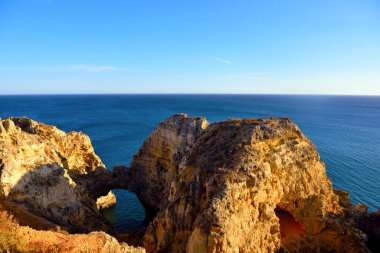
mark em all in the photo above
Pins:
pixel 345 130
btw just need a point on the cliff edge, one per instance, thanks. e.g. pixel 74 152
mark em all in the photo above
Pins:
pixel 240 185
pixel 38 168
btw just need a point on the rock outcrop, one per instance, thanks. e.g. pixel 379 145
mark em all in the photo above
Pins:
pixel 16 238
pixel 106 201
pixel 241 185
pixel 157 161
pixel 38 166
pixel 230 182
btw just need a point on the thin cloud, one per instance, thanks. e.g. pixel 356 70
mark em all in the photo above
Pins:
pixel 92 68
pixel 247 76
pixel 223 60
pixel 84 68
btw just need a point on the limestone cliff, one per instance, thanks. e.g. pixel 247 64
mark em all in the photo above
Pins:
pixel 38 165
pixel 233 186
pixel 157 161
pixel 226 188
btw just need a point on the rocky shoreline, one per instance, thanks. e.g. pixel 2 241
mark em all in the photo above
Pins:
pixel 241 185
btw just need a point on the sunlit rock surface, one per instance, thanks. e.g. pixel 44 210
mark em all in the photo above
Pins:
pixel 106 201
pixel 233 186
pixel 157 162
pixel 16 238
pixel 38 166
pixel 221 194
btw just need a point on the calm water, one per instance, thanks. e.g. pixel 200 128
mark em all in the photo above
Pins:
pixel 345 129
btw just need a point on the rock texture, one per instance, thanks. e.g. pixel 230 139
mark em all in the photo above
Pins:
pixel 38 166
pixel 224 187
pixel 16 238
pixel 157 162
pixel 364 223
pixel 106 201
pixel 227 183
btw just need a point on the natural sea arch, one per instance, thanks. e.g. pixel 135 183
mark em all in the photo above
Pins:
pixel 128 215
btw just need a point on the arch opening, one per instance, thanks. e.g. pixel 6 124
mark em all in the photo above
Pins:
pixel 128 214
pixel 291 231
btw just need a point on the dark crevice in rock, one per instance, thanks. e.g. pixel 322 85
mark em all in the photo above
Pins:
pixel 63 161
pixel 150 214
pixel 291 232
pixel 25 124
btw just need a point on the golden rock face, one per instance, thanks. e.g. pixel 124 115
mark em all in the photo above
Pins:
pixel 106 201
pixel 16 238
pixel 156 163
pixel 26 144
pixel 209 188
pixel 226 187
pixel 38 163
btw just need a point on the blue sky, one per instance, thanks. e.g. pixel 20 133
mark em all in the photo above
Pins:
pixel 125 46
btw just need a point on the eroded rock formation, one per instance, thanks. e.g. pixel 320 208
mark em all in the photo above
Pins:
pixel 38 166
pixel 157 161
pixel 227 185
pixel 208 188
pixel 106 201
pixel 16 238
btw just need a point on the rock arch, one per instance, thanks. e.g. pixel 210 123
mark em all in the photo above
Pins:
pixel 209 188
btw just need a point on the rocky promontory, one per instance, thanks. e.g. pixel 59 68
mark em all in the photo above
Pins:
pixel 39 164
pixel 234 187
pixel 241 185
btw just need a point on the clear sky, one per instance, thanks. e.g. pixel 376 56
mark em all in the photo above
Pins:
pixel 160 46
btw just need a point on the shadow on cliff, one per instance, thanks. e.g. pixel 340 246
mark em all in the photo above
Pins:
pixel 100 181
pixel 46 198
pixel 50 195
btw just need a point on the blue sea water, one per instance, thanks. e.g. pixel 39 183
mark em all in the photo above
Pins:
pixel 345 130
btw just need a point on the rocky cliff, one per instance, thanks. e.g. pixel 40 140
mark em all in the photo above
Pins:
pixel 241 185
pixel 156 163
pixel 38 166
pixel 232 186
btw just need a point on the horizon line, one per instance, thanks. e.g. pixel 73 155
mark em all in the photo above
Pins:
pixel 264 94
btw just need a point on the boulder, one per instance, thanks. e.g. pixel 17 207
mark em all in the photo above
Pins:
pixel 106 201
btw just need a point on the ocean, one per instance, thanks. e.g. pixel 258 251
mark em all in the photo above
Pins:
pixel 345 130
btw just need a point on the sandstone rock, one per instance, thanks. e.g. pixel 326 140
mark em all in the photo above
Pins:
pixel 225 188
pixel 38 165
pixel 106 201
pixel 16 238
pixel 216 188
pixel 366 224
pixel 157 161
pixel 101 181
